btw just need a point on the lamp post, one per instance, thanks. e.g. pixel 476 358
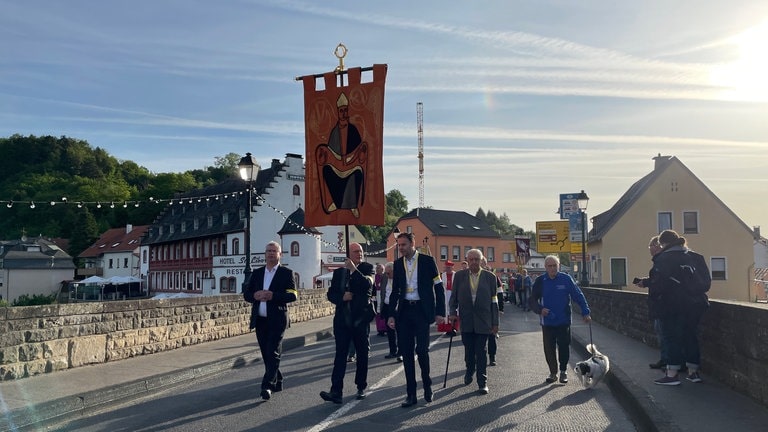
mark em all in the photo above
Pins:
pixel 583 200
pixel 248 170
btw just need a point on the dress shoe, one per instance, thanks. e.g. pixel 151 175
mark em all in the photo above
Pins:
pixel 266 394
pixel 390 356
pixel 278 386
pixel 350 359
pixel 331 397
pixel 468 378
pixel 492 361
pixel 409 401
pixel 428 394
pixel 361 394
pixel 400 359
pixel 483 390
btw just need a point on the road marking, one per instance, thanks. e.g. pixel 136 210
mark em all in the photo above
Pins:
pixel 349 405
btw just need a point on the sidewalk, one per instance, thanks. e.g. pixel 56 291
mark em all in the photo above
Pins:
pixel 709 406
pixel 38 399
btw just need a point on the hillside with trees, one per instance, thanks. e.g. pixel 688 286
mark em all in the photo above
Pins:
pixel 37 171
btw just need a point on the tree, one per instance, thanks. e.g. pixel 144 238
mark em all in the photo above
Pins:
pixel 228 162
pixel 396 206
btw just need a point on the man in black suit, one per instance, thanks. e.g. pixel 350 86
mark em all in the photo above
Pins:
pixel 351 290
pixel 270 289
pixel 417 288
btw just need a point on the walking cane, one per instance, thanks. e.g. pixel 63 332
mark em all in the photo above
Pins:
pixel 448 360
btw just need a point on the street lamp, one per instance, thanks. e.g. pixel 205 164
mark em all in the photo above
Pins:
pixel 248 170
pixel 583 200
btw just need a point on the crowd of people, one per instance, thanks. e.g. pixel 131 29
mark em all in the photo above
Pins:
pixel 408 295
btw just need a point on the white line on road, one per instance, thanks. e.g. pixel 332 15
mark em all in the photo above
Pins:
pixel 349 405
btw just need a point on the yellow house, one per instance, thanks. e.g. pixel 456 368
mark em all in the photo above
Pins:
pixel 672 197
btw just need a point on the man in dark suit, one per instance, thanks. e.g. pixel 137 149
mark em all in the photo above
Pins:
pixel 387 308
pixel 270 289
pixel 417 288
pixel 351 290
pixel 474 296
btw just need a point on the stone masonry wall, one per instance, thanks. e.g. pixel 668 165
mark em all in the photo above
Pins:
pixel 43 339
pixel 733 336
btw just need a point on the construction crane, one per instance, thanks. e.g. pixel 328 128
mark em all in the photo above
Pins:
pixel 420 127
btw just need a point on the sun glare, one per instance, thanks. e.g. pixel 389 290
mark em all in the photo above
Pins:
pixel 747 77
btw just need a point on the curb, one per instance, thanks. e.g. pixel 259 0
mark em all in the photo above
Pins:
pixel 79 405
pixel 642 409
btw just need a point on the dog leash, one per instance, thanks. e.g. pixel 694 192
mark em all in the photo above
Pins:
pixel 590 333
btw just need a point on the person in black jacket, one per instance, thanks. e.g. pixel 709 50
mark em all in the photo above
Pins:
pixel 270 289
pixel 351 290
pixel 417 288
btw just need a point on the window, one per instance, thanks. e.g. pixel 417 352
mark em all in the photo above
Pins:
pixel 125 262
pixel 241 213
pixel 225 218
pixel 184 226
pixel 144 256
pixel 665 221
pixel 443 253
pixel 295 248
pixel 111 265
pixel 619 271
pixel 717 266
pixel 466 249
pixel 690 222
pixel 235 246
pixel 171 228
pixel 210 221
pixel 506 257
pixel 196 223
pixel 456 252
pixel 409 229
pixel 491 254
pixel 296 190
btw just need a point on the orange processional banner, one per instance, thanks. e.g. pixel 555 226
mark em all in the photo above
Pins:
pixel 344 132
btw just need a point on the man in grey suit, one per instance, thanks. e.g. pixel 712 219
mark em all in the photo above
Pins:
pixel 474 296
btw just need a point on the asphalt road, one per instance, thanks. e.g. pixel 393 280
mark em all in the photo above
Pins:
pixel 518 400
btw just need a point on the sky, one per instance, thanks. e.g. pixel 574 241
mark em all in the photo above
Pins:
pixel 522 100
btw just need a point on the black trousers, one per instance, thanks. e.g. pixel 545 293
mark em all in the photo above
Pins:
pixel 474 355
pixel 271 345
pixel 557 346
pixel 358 337
pixel 391 333
pixel 413 337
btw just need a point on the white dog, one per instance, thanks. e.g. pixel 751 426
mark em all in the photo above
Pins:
pixel 593 369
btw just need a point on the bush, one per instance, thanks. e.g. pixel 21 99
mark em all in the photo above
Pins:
pixel 4 303
pixel 34 300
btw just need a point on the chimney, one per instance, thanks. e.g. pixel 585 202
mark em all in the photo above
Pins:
pixel 756 232
pixel 661 161
pixel 128 228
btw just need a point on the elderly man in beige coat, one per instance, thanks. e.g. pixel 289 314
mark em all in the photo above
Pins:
pixel 474 297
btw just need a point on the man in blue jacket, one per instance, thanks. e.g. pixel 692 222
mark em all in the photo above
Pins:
pixel 551 299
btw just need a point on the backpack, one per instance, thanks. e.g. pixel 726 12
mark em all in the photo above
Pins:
pixel 695 273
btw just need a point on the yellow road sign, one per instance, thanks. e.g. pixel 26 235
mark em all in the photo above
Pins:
pixel 552 237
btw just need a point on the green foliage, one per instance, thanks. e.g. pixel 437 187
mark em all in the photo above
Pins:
pixel 44 169
pixel 34 300
pixel 4 303
pixel 396 206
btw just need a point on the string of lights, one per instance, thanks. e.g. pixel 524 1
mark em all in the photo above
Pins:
pixel 173 201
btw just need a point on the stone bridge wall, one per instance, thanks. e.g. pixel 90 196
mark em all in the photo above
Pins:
pixel 733 336
pixel 42 339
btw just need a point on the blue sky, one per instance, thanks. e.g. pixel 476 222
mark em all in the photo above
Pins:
pixel 523 100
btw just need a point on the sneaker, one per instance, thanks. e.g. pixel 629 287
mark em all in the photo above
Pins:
pixel 667 381
pixel 694 377
pixel 551 378
pixel 563 377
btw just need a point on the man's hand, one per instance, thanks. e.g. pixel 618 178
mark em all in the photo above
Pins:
pixel 587 318
pixel 495 329
pixel 347 296
pixel 452 318
pixel 262 295
pixel 439 319
pixel 391 323
pixel 544 311
pixel 350 265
